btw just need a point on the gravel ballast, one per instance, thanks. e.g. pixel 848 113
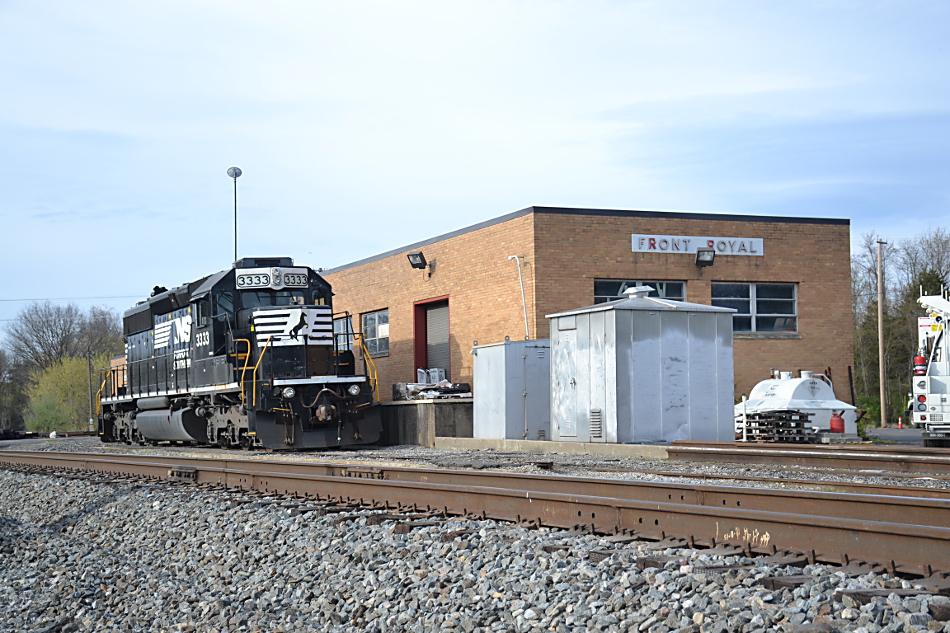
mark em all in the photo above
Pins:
pixel 83 556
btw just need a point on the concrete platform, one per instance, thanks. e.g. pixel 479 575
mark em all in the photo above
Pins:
pixel 649 451
pixel 420 422
pixel 825 437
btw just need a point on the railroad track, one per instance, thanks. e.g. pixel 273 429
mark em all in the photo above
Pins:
pixel 864 532
pixel 809 484
pixel 898 459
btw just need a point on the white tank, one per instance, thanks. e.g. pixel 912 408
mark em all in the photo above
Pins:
pixel 807 394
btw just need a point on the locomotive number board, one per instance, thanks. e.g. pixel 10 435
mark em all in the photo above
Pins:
pixel 272 278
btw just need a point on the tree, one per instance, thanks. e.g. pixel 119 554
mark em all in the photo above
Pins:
pixel 924 259
pixel 59 395
pixel 102 332
pixel 12 398
pixel 43 334
pixel 918 264
pixel 46 349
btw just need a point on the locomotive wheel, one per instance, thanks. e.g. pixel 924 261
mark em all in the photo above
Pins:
pixel 231 436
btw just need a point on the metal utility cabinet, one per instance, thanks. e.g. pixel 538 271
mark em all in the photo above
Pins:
pixel 512 390
pixel 642 369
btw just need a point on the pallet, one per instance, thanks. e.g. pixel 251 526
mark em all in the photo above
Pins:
pixel 779 426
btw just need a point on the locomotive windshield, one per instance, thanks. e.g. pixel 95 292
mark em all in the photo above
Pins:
pixel 263 298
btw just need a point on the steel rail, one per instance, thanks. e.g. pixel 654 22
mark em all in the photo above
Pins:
pixel 900 545
pixel 932 512
pixel 897 459
pixel 831 486
pixel 885 449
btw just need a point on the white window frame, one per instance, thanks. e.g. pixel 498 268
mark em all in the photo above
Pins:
pixel 753 315
pixel 633 282
pixel 343 333
pixel 375 334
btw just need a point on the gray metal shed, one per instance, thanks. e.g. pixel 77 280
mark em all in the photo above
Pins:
pixel 642 369
pixel 512 390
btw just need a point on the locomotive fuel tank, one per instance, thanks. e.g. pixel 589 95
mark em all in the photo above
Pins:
pixel 183 425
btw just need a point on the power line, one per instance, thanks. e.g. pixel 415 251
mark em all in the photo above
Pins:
pixel 73 298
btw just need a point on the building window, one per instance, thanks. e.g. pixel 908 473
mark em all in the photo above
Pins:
pixel 376 332
pixel 613 289
pixel 760 307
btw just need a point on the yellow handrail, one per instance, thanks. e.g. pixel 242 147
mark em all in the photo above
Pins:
pixel 254 373
pixel 99 394
pixel 247 359
pixel 370 366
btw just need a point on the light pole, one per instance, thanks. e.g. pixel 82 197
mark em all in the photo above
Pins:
pixel 89 372
pixel 235 173
pixel 880 330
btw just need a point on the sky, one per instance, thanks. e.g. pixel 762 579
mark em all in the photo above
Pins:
pixel 364 126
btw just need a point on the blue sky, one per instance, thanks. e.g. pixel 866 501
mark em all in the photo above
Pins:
pixel 365 126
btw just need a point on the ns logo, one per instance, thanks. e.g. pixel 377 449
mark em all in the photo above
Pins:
pixel 182 326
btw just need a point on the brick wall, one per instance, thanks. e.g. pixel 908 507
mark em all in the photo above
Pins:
pixel 564 253
pixel 473 269
pixel 574 250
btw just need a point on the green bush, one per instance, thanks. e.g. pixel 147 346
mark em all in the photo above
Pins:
pixel 46 414
pixel 872 417
pixel 59 396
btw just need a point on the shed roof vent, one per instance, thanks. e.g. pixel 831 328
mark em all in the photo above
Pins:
pixel 638 292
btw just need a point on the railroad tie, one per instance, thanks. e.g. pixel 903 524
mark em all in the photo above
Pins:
pixel 658 561
pixel 668 542
pixel 404 527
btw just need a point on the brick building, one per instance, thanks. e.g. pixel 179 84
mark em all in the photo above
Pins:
pixel 788 277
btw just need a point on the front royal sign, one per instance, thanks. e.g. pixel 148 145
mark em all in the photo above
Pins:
pixel 643 243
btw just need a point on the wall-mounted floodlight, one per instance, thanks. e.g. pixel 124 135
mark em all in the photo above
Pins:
pixel 417 259
pixel 705 257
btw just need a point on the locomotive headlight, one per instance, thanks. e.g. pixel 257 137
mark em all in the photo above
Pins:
pixel 354 390
pixel 289 392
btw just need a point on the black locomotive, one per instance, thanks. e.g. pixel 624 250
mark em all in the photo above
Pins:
pixel 246 357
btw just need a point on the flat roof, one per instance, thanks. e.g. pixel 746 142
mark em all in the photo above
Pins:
pixel 677 215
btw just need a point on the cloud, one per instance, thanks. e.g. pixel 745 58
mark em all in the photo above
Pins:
pixel 365 126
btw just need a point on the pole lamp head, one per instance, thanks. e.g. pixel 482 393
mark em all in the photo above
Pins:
pixel 417 259
pixel 705 257
pixel 234 172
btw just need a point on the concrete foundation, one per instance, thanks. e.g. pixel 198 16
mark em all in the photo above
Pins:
pixel 420 422
pixel 648 451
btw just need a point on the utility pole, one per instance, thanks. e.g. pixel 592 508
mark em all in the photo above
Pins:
pixel 89 372
pixel 880 330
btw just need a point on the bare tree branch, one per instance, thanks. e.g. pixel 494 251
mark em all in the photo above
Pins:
pixel 43 334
